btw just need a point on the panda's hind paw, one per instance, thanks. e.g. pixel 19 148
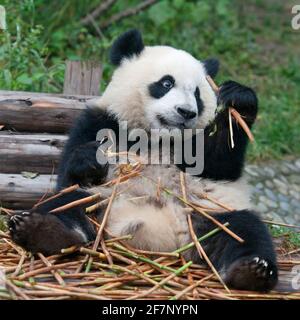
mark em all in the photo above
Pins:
pixel 252 273
pixel 21 225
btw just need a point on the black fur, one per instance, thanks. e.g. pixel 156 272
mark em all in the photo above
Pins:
pixel 221 162
pixel 211 67
pixel 234 260
pixel 127 45
pixel 40 231
pixel 78 163
pixel 199 102
pixel 157 90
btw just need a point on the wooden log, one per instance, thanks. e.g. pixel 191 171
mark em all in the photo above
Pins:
pixel 18 192
pixel 30 152
pixel 82 77
pixel 38 112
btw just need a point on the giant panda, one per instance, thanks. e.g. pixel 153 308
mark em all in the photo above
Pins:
pixel 161 87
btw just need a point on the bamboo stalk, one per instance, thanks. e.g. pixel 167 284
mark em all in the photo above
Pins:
pixel 232 112
pixel 141 258
pixel 17 291
pixel 230 129
pixel 281 224
pixel 203 254
pixel 191 287
pixel 164 281
pixel 20 264
pixel 56 275
pixel 242 123
pixel 232 234
pixel 76 203
pixel 62 192
pixel 206 236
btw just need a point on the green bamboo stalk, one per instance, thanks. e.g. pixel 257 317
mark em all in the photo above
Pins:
pixel 167 279
pixel 131 272
pixel 206 236
pixel 131 254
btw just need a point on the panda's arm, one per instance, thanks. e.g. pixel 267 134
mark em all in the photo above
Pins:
pixel 221 161
pixel 78 164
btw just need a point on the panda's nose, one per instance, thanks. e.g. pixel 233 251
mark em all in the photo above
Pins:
pixel 186 113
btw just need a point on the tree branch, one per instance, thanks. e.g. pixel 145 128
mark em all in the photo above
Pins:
pixel 97 12
pixel 127 13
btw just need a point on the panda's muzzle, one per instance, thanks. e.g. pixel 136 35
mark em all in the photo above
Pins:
pixel 185 113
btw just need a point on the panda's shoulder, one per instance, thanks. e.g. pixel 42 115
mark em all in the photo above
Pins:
pixel 91 120
pixel 96 116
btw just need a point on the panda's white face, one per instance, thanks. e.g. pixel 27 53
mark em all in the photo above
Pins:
pixel 162 87
pixel 173 99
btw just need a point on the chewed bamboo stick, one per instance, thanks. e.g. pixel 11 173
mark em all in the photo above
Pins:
pixel 77 203
pixel 230 129
pixel 6 211
pixel 203 254
pixel 46 269
pixel 281 224
pixel 104 220
pixel 232 112
pixel 242 123
pixel 191 287
pixel 20 264
pixel 212 84
pixel 231 233
pixel 206 236
pixel 56 275
pixel 16 290
pixel 105 217
pixel 62 192
pixel 164 281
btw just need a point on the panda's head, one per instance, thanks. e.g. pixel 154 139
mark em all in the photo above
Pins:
pixel 158 86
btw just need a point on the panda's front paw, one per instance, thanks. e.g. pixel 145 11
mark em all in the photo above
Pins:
pixel 242 98
pixel 86 170
pixel 252 273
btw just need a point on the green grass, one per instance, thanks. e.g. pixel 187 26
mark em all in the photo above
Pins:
pixel 291 237
pixel 253 40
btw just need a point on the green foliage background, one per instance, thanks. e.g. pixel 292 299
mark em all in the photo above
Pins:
pixel 253 40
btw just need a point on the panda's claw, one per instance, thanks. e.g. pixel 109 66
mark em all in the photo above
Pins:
pixel 17 221
pixel 252 274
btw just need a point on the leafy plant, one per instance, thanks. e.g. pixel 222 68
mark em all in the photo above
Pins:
pixel 252 39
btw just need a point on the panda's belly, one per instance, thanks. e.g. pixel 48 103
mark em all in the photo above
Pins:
pixel 158 220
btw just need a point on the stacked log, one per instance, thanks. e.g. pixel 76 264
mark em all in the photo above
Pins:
pixel 33 131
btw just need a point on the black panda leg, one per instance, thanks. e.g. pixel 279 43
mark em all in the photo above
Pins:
pixel 40 231
pixel 248 266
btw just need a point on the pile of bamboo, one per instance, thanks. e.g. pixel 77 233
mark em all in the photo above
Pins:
pixel 119 272
pixel 111 269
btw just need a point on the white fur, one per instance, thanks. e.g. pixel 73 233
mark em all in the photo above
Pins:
pixel 128 96
pixel 165 228
pixel 81 232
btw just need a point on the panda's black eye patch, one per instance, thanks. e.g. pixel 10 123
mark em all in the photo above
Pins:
pixel 199 102
pixel 161 87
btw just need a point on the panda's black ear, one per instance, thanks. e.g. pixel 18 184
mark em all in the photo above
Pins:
pixel 211 66
pixel 128 44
